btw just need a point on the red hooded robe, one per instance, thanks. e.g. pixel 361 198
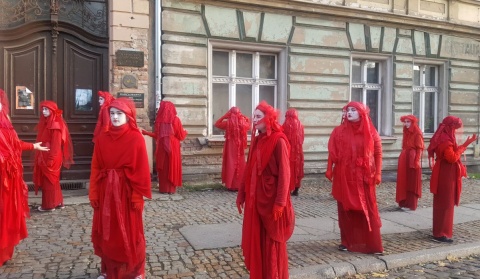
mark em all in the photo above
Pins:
pixel 447 173
pixel 409 174
pixel 120 178
pixel 266 187
pixel 13 190
pixel 355 150
pixel 168 134
pixel 103 115
pixel 53 133
pixel 293 129
pixel 236 126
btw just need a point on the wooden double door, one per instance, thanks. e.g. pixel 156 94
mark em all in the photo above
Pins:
pixel 55 58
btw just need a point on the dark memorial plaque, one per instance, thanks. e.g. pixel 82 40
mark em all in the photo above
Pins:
pixel 137 98
pixel 130 58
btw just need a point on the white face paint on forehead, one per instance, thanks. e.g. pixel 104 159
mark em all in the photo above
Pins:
pixel 352 114
pixel 46 111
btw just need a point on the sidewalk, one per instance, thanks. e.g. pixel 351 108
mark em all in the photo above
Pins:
pixel 195 234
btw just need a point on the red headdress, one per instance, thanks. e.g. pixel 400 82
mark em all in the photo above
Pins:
pixel 103 115
pixel 270 118
pixel 445 132
pixel 56 121
pixel 128 107
pixel 410 132
pixel 4 119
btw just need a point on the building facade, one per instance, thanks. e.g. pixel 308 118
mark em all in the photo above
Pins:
pixel 397 56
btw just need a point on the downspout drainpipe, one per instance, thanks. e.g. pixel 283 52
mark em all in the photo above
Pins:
pixel 158 53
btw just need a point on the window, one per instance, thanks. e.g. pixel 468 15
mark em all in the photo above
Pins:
pixel 371 83
pixel 366 86
pixel 242 77
pixel 425 96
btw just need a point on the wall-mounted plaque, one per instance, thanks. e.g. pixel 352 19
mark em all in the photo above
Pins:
pixel 137 98
pixel 129 81
pixel 129 58
pixel 83 99
pixel 24 98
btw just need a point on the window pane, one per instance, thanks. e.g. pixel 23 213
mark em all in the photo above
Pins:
pixel 429 126
pixel 356 72
pixel 219 103
pixel 267 66
pixel 430 76
pixel 372 72
pixel 267 93
pixel 244 65
pixel 357 95
pixel 372 103
pixel 416 75
pixel 416 104
pixel 243 99
pixel 220 63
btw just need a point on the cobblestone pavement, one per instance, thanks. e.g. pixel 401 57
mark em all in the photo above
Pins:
pixel 59 244
pixel 458 268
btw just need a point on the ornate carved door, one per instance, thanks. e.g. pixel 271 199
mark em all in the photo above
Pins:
pixel 55 50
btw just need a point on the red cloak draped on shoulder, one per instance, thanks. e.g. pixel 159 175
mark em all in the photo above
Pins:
pixel 118 180
pixel 236 126
pixel 293 129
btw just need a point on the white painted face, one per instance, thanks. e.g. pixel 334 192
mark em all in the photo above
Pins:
pixel 407 123
pixel 46 111
pixel 101 100
pixel 117 117
pixel 257 120
pixel 1 107
pixel 352 114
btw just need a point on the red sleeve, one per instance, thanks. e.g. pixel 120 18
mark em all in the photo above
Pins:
pixel 221 124
pixel 151 134
pixel 93 189
pixel 26 145
pixel 180 133
pixel 377 153
pixel 450 155
pixel 282 158
pixel 55 147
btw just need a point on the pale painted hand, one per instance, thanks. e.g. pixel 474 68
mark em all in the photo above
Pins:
pixel 38 146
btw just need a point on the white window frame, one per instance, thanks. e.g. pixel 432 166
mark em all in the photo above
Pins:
pixel 441 101
pixel 257 49
pixel 384 87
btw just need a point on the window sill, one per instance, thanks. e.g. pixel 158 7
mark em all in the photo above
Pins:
pixel 388 139
pixel 213 141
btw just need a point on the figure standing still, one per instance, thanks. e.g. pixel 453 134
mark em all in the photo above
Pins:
pixel 293 129
pixel 236 126
pixel 409 174
pixel 264 195
pixel 168 156
pixel 14 208
pixel 355 167
pixel 53 132
pixel 120 178
pixel 447 173
pixel 104 100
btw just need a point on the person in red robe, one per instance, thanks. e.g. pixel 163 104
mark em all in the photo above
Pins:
pixel 168 133
pixel 53 133
pixel 264 195
pixel 355 167
pixel 14 208
pixel 409 174
pixel 447 173
pixel 293 129
pixel 236 126
pixel 120 178
pixel 104 100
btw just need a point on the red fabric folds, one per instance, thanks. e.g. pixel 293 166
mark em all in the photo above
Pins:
pixel 236 126
pixel 14 208
pixel 409 175
pixel 355 150
pixel 293 129
pixel 266 185
pixel 119 180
